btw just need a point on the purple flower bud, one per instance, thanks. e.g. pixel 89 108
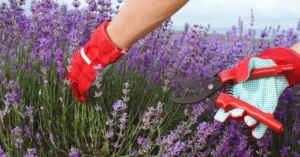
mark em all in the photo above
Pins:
pixel 27 131
pixel 298 27
pixel 109 134
pixel 51 138
pixel 110 122
pixel 116 145
pixel 97 67
pixel 117 106
pixel 123 119
pixel 125 91
pixel 38 138
pixel 17 131
pixel 2 153
pixel 98 94
pixel 75 152
pixel 76 3
pixel 141 140
pixel 114 113
pixel 133 152
pixel 126 85
pixel 122 126
pixel 285 151
pixel 31 152
pixel 177 148
pixel 18 142
pixel 29 111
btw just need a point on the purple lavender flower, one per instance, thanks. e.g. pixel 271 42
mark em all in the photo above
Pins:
pixel 2 153
pixel 298 26
pixel 116 145
pixel 17 131
pixel 18 142
pixel 133 152
pixel 31 152
pixel 98 94
pixel 97 67
pixel 76 3
pixel 29 111
pixel 38 138
pixel 109 134
pixel 110 122
pixel 285 151
pixel 145 144
pixel 123 118
pixel 59 56
pixel 11 99
pixel 117 106
pixel 122 127
pixel 140 140
pixel 177 148
pixel 75 152
pixel 27 130
pixel 97 107
pixel 126 85
pixel 151 117
pixel 51 138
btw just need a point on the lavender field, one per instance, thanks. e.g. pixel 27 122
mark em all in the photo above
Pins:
pixel 129 112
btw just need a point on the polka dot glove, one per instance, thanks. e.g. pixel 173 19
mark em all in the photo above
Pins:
pixel 261 93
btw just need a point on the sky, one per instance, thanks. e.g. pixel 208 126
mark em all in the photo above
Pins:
pixel 222 14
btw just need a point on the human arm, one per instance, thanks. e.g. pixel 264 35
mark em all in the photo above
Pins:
pixel 137 18
pixel 111 40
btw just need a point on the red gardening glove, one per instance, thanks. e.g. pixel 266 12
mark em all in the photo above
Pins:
pixel 99 51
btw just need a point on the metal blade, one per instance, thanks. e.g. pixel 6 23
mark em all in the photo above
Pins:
pixel 204 90
pixel 214 96
pixel 187 100
pixel 190 84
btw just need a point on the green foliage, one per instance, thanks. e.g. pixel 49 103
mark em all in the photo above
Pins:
pixel 57 113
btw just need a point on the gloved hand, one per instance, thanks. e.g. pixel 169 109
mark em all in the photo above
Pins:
pixel 262 93
pixel 98 52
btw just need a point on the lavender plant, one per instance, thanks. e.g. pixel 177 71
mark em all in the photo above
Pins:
pixel 129 112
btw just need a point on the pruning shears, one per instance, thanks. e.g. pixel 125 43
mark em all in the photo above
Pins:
pixel 226 101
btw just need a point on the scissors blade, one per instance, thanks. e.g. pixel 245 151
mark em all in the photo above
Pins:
pixel 203 89
pixel 214 96
pixel 187 100
pixel 190 84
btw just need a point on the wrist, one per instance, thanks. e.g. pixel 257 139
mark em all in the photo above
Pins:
pixel 100 49
pixel 117 36
pixel 296 48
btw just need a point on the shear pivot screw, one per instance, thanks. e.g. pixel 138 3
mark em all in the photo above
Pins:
pixel 210 86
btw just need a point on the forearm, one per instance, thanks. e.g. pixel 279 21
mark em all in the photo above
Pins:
pixel 296 47
pixel 137 18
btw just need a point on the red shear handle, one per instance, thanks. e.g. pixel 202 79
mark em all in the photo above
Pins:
pixel 258 73
pixel 228 102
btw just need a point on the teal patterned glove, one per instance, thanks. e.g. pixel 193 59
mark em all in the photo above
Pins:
pixel 261 93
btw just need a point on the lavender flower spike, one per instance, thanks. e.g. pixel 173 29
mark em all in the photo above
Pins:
pixel 74 152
